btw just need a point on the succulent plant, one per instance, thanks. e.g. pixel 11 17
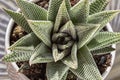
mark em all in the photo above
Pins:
pixel 64 37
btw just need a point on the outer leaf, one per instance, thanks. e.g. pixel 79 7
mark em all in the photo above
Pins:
pixel 102 51
pixel 42 29
pixel 69 28
pixel 56 71
pixel 98 5
pixel 41 55
pixel 18 56
pixel 54 7
pixel 62 16
pixel 103 17
pixel 71 60
pixel 23 48
pixel 104 39
pixel 85 33
pixel 31 10
pixel 87 68
pixel 28 42
pixel 19 19
pixel 58 55
pixel 80 12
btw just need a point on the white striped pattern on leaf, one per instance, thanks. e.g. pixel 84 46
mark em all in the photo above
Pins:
pixel 62 16
pixel 68 4
pixel 104 39
pixel 98 5
pixel 87 68
pixel 102 51
pixel 56 70
pixel 28 42
pixel 19 19
pixel 85 33
pixel 80 12
pixel 103 17
pixel 54 7
pixel 71 60
pixel 31 10
pixel 42 29
pixel 17 56
pixel 41 55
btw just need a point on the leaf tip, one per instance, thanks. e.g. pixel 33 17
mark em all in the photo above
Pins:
pixel 6 10
pixel 29 21
pixel 75 66
pixel 10 48
pixel 31 61
pixel 56 59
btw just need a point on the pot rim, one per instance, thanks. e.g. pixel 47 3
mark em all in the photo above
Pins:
pixel 7 44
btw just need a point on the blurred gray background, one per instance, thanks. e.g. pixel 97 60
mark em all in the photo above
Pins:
pixel 4 19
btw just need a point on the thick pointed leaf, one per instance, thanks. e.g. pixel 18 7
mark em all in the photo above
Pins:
pixel 104 39
pixel 102 51
pixel 71 61
pixel 85 33
pixel 68 4
pixel 103 17
pixel 28 42
pixel 62 16
pixel 58 55
pixel 54 7
pixel 23 48
pixel 56 71
pixel 98 5
pixel 41 55
pixel 87 68
pixel 31 10
pixel 42 29
pixel 17 56
pixel 80 12
pixel 19 19
pixel 69 28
